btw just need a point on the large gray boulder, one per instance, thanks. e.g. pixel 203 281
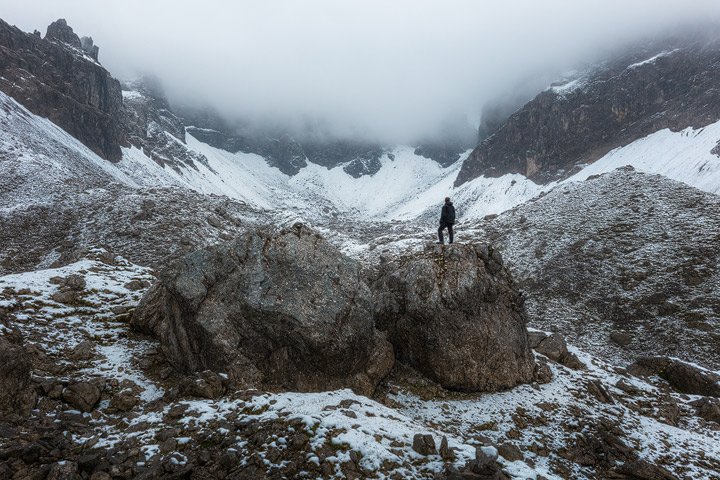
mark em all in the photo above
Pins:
pixel 279 311
pixel 453 314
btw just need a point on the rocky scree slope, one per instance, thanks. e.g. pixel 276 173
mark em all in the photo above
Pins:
pixel 624 264
pixel 663 84
pixel 58 198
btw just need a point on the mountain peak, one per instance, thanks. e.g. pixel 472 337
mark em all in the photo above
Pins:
pixel 60 30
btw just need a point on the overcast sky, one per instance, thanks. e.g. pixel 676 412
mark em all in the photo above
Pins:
pixel 393 69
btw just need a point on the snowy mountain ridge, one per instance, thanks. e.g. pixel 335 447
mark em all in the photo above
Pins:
pixel 409 185
pixel 405 187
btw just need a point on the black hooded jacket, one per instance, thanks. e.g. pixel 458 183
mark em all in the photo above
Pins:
pixel 447 216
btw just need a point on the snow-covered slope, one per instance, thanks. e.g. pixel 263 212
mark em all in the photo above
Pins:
pixel 38 158
pixel 407 186
pixel 684 156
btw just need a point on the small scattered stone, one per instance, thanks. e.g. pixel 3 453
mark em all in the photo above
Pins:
pixel 446 453
pixel 598 390
pixel 124 401
pixel 621 338
pixel 84 350
pixel 542 373
pixel 707 408
pixel 424 444
pixel 510 452
pixel 82 395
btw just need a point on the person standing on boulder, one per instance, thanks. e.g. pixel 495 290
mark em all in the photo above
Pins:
pixel 447 220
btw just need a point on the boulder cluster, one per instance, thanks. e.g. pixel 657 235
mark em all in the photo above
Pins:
pixel 286 310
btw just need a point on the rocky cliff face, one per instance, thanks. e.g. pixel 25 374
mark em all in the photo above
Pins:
pixel 669 84
pixel 59 77
pixel 55 78
pixel 453 314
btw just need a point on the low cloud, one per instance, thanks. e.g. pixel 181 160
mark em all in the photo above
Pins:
pixel 390 70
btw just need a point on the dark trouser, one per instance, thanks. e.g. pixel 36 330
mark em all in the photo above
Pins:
pixel 443 226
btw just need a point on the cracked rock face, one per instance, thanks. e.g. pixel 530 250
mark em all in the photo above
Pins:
pixel 272 310
pixel 52 78
pixel 454 314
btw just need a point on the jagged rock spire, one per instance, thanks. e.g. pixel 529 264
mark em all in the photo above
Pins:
pixel 89 47
pixel 60 30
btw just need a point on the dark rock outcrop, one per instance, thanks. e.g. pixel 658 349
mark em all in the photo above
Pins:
pixel 359 167
pixel 17 395
pixel 682 376
pixel 52 77
pixel 286 154
pixel 152 126
pixel 284 151
pixel 445 155
pixel 89 47
pixel 454 137
pixel 669 84
pixel 285 148
pixel 272 310
pixel 555 348
pixel 61 31
pixel 454 315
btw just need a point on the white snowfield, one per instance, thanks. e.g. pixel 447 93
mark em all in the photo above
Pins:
pixel 685 156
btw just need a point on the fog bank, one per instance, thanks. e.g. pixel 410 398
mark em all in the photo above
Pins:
pixel 387 70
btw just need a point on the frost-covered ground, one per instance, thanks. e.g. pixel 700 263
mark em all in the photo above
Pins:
pixel 626 264
pixel 330 434
pixel 54 326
